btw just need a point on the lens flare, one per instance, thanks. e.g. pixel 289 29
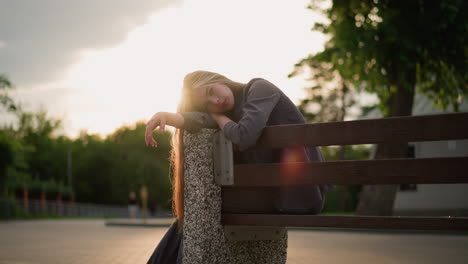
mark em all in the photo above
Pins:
pixel 292 163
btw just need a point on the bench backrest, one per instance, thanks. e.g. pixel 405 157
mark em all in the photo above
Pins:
pixel 363 172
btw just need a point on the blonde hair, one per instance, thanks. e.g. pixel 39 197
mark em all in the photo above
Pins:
pixel 192 81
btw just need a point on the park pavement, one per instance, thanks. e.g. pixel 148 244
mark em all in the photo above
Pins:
pixel 92 241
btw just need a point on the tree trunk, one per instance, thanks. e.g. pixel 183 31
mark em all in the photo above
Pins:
pixel 43 203
pixel 379 199
pixel 25 200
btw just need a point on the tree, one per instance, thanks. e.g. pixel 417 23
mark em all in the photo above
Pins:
pixel 107 169
pixel 8 144
pixel 6 159
pixel 5 100
pixel 391 47
pixel 47 159
pixel 329 95
pixel 6 149
pixel 329 98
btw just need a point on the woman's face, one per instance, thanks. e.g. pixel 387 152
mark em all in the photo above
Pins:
pixel 214 98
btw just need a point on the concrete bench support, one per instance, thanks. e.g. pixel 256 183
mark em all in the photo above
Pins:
pixel 204 239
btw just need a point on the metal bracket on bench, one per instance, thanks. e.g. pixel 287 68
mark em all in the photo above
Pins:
pixel 223 160
pixel 243 233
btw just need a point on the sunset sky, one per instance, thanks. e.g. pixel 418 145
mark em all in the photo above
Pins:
pixel 102 64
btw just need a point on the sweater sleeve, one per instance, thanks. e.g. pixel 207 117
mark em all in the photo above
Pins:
pixel 261 98
pixel 195 121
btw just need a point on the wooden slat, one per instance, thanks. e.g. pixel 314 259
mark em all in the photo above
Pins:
pixel 385 171
pixel 358 222
pixel 389 130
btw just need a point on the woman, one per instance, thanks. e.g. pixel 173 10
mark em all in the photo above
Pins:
pixel 241 111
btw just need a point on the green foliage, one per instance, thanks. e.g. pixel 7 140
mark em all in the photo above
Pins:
pixel 6 159
pixel 15 168
pixel 46 155
pixel 329 95
pixel 384 46
pixel 334 153
pixel 351 199
pixel 6 101
pixel 104 170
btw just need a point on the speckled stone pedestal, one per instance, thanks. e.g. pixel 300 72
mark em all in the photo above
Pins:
pixel 204 240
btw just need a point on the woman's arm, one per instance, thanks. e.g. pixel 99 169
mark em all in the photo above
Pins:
pixel 174 119
pixel 261 99
pixel 221 120
pixel 161 119
pixel 195 121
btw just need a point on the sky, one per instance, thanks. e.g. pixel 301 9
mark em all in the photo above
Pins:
pixel 101 64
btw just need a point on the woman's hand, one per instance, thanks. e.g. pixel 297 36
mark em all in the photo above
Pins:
pixel 159 119
pixel 220 119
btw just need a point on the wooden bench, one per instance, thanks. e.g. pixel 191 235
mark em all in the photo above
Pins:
pixel 363 172
pixel 213 237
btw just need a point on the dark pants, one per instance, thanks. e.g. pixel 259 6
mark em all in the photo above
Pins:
pixel 267 200
pixel 169 249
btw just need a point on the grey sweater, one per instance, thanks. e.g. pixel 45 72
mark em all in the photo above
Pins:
pixel 262 104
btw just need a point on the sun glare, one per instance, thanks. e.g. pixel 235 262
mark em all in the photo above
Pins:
pixel 143 75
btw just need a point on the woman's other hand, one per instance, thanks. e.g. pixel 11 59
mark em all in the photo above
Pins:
pixel 159 119
pixel 220 119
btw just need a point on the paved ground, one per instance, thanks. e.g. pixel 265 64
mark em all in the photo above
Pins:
pixel 91 241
